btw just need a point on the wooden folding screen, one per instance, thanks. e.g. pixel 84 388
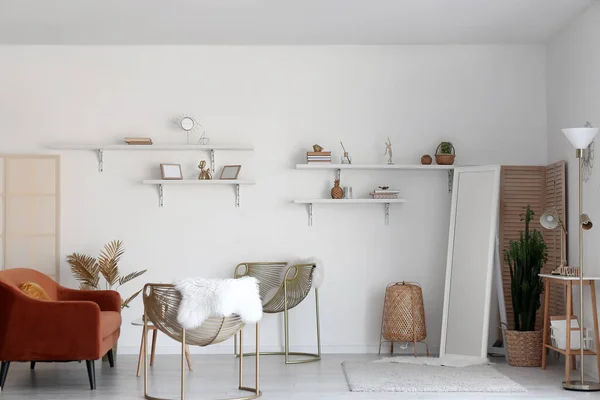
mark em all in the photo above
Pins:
pixel 541 188
pixel 30 194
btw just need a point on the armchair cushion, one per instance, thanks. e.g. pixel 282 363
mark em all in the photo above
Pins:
pixel 34 291
pixel 110 322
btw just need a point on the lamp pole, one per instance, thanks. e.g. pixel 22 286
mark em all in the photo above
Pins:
pixel 581 138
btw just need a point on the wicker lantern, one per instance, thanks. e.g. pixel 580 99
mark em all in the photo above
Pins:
pixel 403 315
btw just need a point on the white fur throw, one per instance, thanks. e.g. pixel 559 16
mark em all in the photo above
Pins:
pixel 204 298
pixel 318 274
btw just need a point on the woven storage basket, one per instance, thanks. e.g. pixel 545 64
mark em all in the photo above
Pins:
pixel 444 159
pixel 404 313
pixel 524 348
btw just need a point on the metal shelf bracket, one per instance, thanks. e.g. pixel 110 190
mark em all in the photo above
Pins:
pixel 338 174
pixel 160 195
pixel 387 213
pixel 310 214
pixel 450 180
pixel 237 195
pixel 101 160
pixel 212 161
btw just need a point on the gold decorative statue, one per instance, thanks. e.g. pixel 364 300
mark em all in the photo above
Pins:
pixel 388 151
pixel 204 172
pixel 317 148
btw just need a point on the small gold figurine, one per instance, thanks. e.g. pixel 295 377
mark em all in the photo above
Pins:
pixel 317 148
pixel 204 172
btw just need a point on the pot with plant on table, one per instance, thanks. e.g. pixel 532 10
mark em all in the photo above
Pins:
pixel 103 273
pixel 525 258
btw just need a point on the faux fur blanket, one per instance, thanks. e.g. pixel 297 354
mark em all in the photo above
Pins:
pixel 204 298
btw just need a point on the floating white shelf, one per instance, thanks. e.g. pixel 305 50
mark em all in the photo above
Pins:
pixel 376 166
pixel 385 202
pixel 350 201
pixel 197 182
pixel 383 167
pixel 101 148
pixel 152 147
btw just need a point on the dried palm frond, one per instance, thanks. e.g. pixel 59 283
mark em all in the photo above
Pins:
pixel 86 269
pixel 130 298
pixel 109 260
pixel 129 277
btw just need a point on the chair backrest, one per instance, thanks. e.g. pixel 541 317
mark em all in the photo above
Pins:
pixel 161 305
pixel 270 277
pixel 16 276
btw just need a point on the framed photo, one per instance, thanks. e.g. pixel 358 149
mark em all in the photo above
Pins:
pixel 171 172
pixel 230 171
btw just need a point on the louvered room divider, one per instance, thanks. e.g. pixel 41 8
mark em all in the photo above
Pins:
pixel 541 188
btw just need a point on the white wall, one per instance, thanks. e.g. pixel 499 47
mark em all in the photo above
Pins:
pixel 573 98
pixel 489 100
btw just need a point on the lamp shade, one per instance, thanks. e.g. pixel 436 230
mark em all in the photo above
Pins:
pixel 580 138
pixel 549 220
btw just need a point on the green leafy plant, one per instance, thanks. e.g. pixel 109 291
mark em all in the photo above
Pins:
pixel 446 148
pixel 88 270
pixel 525 258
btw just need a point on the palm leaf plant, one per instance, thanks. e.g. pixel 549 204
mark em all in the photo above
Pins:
pixel 88 270
pixel 525 258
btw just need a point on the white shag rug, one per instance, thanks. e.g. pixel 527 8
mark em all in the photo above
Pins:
pixel 447 361
pixel 404 377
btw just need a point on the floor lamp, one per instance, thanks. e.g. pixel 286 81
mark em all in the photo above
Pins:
pixel 581 138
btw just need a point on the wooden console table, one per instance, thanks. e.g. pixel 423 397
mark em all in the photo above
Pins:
pixel 570 354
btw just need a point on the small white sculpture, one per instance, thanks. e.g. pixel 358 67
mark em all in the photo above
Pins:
pixel 388 151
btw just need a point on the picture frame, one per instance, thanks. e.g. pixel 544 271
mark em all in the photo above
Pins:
pixel 230 172
pixel 171 172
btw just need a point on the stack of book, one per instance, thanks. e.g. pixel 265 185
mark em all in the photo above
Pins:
pixel 318 157
pixel 138 140
pixel 385 194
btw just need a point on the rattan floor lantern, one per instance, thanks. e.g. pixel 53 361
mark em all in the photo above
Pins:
pixel 403 316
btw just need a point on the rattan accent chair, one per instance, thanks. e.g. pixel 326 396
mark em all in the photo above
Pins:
pixel 161 304
pixel 282 288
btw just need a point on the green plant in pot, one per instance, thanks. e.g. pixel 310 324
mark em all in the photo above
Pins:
pixel 445 154
pixel 525 258
pixel 89 271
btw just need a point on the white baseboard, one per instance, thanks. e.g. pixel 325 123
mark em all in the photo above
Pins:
pixel 328 349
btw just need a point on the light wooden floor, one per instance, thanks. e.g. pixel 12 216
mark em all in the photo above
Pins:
pixel 215 377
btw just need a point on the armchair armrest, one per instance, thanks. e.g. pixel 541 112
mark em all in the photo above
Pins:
pixel 107 300
pixel 33 329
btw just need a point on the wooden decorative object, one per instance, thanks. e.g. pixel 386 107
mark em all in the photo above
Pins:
pixel 230 172
pixel 337 192
pixel 426 159
pixel 445 154
pixel 403 315
pixel 171 172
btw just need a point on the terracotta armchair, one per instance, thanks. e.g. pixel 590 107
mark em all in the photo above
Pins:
pixel 74 325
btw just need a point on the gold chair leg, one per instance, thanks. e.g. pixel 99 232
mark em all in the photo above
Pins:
pixel 183 349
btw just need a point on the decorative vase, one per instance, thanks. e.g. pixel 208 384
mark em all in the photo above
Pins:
pixel 524 348
pixel 204 172
pixel 445 154
pixel 426 159
pixel 337 192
